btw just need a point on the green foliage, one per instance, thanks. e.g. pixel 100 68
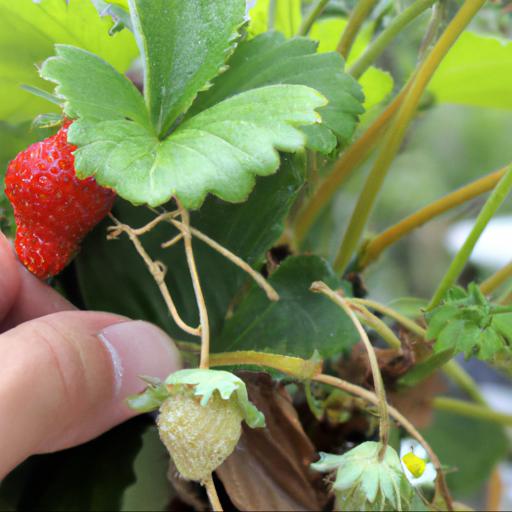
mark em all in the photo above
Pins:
pixel 218 151
pixel 32 29
pixel 477 71
pixel 376 83
pixel 469 446
pixel 113 278
pixel 184 45
pixel 271 59
pixel 467 322
pixel 299 323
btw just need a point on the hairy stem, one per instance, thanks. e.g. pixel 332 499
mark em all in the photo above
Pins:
pixel 355 21
pixel 212 495
pixel 472 410
pixel 406 424
pixel 313 14
pixel 354 156
pixel 201 304
pixel 491 206
pixel 376 324
pixel 371 251
pixel 239 262
pixel 496 280
pixel 383 40
pixel 157 270
pixel 321 287
pixel 395 136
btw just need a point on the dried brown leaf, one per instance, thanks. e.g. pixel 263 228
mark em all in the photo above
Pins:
pixel 269 469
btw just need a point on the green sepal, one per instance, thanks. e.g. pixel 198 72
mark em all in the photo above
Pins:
pixel 226 383
pixel 150 399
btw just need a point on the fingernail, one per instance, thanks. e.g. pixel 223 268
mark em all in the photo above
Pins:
pixel 139 348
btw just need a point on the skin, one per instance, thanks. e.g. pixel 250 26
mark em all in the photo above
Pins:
pixel 59 362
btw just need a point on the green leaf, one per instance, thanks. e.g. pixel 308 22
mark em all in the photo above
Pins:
pixel 184 45
pixel 270 59
pixel 93 476
pixel 206 382
pixel 299 323
pixel 30 30
pixel 376 83
pixel 426 368
pixel 287 17
pixel 92 88
pixel 112 276
pixel 472 447
pixel 218 151
pixel 477 71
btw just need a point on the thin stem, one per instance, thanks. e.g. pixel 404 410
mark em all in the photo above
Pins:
pixel 260 280
pixel 313 14
pixel 172 241
pixel 491 206
pixel 303 369
pixel 434 25
pixel 391 313
pixel 352 157
pixel 458 375
pixel 212 494
pixel 406 424
pixel 496 280
pixel 471 410
pixel 157 270
pixel 272 12
pixel 376 324
pixel 375 49
pixel 201 304
pixel 321 287
pixel 355 21
pixel 395 136
pixel 371 251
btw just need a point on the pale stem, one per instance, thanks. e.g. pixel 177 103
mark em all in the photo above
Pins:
pixel 395 136
pixel 400 418
pixel 490 207
pixel 212 494
pixel 470 410
pixel 382 41
pixel 355 21
pixel 496 280
pixel 157 270
pixel 172 241
pixel 321 287
pixel 313 14
pixel 239 262
pixel 201 304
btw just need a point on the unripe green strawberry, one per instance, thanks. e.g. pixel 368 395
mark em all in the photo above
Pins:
pixel 199 438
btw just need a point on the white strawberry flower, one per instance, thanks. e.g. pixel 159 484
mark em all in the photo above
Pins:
pixel 414 459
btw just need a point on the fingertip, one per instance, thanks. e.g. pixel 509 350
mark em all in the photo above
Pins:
pixel 10 281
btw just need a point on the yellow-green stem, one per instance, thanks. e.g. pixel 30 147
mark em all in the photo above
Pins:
pixel 355 21
pixel 491 206
pixel 496 280
pixel 471 410
pixel 352 157
pixel 457 374
pixel 387 35
pixel 395 136
pixel 372 250
pixel 313 14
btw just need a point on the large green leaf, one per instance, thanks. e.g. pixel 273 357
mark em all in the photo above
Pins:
pixel 476 71
pixel 93 476
pixel 376 83
pixel 113 277
pixel 287 17
pixel 472 447
pixel 220 150
pixel 184 46
pixel 299 323
pixel 272 59
pixel 30 30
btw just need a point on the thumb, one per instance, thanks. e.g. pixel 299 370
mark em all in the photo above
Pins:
pixel 65 376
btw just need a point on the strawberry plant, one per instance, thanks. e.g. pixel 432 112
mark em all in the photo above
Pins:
pixel 215 167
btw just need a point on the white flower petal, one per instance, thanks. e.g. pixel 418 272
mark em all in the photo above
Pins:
pixel 428 477
pixel 408 445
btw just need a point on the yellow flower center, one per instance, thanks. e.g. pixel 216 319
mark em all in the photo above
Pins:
pixel 414 464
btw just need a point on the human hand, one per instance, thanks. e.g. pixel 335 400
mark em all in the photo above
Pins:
pixel 64 373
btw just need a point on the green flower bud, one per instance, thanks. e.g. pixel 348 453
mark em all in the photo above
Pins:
pixel 363 482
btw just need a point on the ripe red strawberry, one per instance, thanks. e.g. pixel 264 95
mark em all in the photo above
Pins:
pixel 53 209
